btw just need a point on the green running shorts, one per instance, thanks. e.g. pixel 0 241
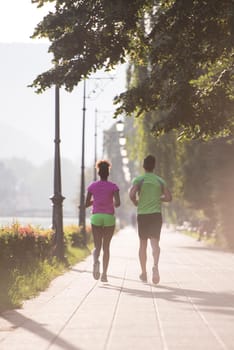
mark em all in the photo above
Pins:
pixel 103 220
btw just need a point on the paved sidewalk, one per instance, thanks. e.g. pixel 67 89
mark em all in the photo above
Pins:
pixel 191 309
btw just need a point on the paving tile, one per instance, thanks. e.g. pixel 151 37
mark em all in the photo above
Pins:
pixel 191 309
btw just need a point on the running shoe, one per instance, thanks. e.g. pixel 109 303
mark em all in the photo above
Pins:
pixel 143 277
pixel 155 275
pixel 104 278
pixel 96 272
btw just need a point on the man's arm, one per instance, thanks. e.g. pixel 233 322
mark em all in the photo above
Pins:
pixel 166 196
pixel 133 194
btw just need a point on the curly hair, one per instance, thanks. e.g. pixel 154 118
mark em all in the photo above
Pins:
pixel 103 167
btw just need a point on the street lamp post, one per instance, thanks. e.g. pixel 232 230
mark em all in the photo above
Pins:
pixel 95 147
pixel 82 216
pixel 57 198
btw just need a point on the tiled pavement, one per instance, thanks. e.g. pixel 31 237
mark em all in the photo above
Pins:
pixel 191 309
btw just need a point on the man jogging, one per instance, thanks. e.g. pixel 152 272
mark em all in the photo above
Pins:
pixel 147 193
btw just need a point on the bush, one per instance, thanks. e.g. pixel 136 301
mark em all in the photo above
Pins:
pixel 19 245
pixel 74 236
pixel 27 263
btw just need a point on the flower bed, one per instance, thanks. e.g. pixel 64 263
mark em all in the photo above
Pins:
pixel 27 261
pixel 20 244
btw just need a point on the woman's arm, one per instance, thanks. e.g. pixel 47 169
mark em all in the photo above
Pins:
pixel 88 201
pixel 116 199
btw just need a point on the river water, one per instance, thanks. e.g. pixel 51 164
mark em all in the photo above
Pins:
pixel 43 222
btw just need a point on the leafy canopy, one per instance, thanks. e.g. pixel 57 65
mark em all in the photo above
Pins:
pixel 186 46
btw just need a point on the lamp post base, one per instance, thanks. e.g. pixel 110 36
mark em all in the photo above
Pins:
pixel 57 200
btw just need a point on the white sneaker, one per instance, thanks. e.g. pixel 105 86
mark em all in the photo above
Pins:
pixel 104 278
pixel 96 272
pixel 143 277
pixel 155 276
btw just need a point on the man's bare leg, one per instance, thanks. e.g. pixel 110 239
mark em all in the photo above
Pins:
pixel 143 258
pixel 156 253
pixel 155 250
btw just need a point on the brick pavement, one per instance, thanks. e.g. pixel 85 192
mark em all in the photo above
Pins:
pixel 191 309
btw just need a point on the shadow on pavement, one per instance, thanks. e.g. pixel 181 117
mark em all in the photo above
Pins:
pixel 222 303
pixel 210 248
pixel 109 276
pixel 30 325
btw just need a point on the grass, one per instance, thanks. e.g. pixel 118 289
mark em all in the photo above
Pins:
pixel 210 241
pixel 18 285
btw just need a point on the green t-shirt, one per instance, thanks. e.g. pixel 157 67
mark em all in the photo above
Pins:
pixel 150 191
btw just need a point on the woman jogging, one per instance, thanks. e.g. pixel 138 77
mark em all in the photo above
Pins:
pixel 103 196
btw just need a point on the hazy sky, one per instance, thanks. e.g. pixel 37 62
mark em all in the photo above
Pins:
pixel 27 119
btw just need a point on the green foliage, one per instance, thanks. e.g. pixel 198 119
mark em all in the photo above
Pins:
pixel 20 244
pixel 198 170
pixel 74 236
pixel 223 188
pixel 208 185
pixel 186 47
pixel 27 264
pixel 87 36
pixel 26 283
pixel 199 173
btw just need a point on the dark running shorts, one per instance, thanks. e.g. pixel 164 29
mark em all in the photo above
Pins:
pixel 149 225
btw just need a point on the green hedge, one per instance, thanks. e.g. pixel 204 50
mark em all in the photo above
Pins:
pixel 19 245
pixel 27 261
